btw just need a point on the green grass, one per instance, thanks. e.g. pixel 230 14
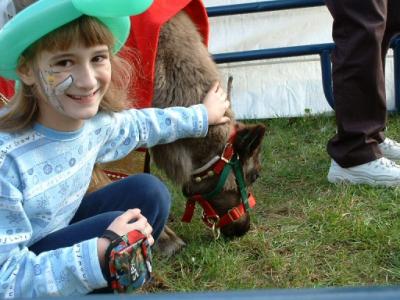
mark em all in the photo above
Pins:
pixel 305 231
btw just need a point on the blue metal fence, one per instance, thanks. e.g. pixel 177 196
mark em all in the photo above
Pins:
pixel 323 50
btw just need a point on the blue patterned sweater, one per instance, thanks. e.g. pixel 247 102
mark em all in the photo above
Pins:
pixel 44 175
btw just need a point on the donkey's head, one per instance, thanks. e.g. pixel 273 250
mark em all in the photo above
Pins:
pixel 220 186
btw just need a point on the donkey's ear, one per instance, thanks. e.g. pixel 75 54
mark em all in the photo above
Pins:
pixel 248 139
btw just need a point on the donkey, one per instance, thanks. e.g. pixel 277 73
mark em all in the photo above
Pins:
pixel 184 72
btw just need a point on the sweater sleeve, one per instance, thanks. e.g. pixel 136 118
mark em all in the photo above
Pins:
pixel 72 270
pixel 134 128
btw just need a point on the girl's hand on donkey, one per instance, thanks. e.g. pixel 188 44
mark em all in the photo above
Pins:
pixel 130 220
pixel 216 103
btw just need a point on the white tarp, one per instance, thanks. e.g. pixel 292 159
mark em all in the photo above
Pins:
pixel 276 87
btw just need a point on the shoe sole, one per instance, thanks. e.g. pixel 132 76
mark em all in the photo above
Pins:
pixel 337 179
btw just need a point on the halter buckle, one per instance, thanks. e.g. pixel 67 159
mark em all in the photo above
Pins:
pixel 231 215
pixel 223 158
pixel 216 232
pixel 212 222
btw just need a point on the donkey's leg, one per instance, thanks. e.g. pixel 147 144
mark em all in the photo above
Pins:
pixel 168 242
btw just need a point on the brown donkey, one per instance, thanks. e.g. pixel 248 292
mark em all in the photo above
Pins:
pixel 183 74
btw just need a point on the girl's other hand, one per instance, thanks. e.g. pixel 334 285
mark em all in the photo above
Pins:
pixel 216 103
pixel 130 220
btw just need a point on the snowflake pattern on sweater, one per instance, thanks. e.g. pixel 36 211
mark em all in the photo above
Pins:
pixel 44 175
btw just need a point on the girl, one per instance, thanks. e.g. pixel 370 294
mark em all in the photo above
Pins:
pixel 68 114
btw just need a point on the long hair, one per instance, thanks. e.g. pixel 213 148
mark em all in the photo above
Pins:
pixel 22 111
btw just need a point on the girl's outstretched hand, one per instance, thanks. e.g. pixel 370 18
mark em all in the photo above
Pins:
pixel 216 103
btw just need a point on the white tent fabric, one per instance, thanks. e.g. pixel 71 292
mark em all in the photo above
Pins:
pixel 284 87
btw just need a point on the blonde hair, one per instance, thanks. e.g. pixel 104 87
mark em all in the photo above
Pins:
pixel 22 111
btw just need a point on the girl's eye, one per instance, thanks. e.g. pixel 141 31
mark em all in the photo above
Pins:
pixel 63 63
pixel 99 58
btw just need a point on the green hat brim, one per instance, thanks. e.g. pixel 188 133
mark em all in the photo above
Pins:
pixel 44 16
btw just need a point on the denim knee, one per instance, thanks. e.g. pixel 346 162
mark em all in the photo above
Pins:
pixel 156 201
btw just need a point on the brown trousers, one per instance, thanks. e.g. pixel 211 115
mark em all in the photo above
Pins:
pixel 362 31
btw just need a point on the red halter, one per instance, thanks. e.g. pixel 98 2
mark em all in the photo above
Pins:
pixel 210 216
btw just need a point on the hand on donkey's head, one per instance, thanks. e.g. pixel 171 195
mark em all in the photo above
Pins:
pixel 216 103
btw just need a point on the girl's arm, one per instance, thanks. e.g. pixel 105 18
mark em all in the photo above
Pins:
pixel 134 128
pixel 69 271
pixel 148 127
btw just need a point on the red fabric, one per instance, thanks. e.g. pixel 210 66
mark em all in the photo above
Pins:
pixel 145 29
pixel 6 87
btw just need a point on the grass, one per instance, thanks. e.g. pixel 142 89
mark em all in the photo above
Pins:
pixel 305 231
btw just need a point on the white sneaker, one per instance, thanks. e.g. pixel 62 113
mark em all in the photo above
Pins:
pixel 378 172
pixel 390 149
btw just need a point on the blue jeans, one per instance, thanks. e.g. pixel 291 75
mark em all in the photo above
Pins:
pixel 100 208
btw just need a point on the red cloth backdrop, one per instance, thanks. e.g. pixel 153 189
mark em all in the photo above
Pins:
pixel 144 38
pixel 6 88
pixel 145 29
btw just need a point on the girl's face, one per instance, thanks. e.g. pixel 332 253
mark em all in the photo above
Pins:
pixel 71 85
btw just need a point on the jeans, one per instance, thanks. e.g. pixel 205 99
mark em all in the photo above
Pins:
pixel 100 208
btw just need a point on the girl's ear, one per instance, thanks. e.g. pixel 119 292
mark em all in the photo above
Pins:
pixel 25 72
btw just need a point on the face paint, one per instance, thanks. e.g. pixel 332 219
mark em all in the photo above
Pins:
pixel 53 87
pixel 63 85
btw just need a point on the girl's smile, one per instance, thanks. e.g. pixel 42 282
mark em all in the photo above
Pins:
pixel 83 98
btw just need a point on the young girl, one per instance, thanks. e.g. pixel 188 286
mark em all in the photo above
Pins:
pixel 68 114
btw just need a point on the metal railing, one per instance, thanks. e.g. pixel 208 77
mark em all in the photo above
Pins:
pixel 323 50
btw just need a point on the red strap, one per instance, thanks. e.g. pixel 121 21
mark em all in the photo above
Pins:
pixel 208 211
pixel 226 156
pixel 236 212
pixel 189 211
pixel 232 215
pixel 252 200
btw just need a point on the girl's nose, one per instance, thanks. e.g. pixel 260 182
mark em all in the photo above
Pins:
pixel 85 77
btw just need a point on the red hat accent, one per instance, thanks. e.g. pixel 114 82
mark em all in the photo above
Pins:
pixel 145 30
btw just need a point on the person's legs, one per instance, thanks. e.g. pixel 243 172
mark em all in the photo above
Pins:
pixel 358 80
pixel 360 33
pixel 75 233
pixel 390 149
pixel 100 208
pixel 143 191
pixel 392 26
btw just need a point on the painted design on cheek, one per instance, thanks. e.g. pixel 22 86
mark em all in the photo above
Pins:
pixel 64 85
pixel 53 90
